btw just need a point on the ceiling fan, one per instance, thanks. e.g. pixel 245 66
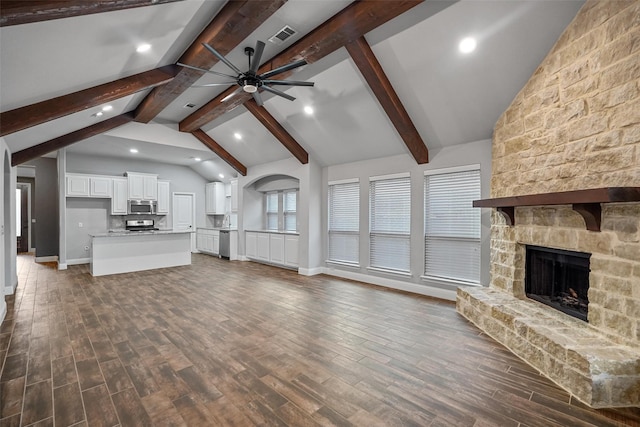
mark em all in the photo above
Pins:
pixel 250 81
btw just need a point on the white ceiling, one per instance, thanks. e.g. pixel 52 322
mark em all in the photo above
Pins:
pixel 451 98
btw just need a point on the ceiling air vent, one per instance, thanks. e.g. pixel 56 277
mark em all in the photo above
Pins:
pixel 189 105
pixel 282 35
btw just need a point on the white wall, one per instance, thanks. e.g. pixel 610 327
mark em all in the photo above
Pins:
pixel 464 154
pixel 8 247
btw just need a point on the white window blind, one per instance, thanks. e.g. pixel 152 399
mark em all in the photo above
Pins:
pixel 271 201
pixel 452 226
pixel 390 223
pixel 290 204
pixel 344 222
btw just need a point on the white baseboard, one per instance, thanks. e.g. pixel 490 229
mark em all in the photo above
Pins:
pixel 47 258
pixel 3 310
pixel 76 261
pixel 310 271
pixel 62 266
pixel 445 294
pixel 32 250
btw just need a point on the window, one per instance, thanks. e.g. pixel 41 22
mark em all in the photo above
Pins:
pixel 452 225
pixel 289 199
pixel 280 210
pixel 271 201
pixel 344 222
pixel 390 222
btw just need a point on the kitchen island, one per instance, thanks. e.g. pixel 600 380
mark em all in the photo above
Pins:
pixel 126 251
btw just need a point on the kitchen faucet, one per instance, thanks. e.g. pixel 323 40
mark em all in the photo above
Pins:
pixel 225 221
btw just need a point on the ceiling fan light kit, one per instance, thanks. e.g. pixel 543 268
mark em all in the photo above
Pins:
pixel 250 81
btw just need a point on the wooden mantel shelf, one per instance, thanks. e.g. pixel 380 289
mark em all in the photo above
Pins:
pixel 586 202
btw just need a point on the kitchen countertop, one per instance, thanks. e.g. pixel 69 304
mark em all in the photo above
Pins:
pixel 217 228
pixel 122 233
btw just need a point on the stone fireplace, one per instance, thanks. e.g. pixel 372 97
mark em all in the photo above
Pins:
pixel 574 127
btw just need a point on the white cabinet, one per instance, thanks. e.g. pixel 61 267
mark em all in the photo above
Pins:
pixel 119 199
pixel 291 250
pixel 208 241
pixel 100 186
pixel 234 195
pixel 163 197
pixel 214 197
pixel 251 244
pixel 273 248
pixel 142 186
pixel 276 248
pixel 77 186
pixel 88 186
pixel 262 247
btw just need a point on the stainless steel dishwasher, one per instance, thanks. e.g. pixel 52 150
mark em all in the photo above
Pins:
pixel 224 244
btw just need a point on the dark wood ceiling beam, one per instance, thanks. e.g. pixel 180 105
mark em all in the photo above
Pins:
pixel 354 21
pixel 233 24
pixel 39 150
pixel 278 131
pixel 220 151
pixel 41 112
pixel 16 12
pixel 379 83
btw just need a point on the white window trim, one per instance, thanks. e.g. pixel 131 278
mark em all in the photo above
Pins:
pixel 391 176
pixel 453 169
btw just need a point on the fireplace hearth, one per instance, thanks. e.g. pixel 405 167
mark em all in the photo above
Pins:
pixel 559 279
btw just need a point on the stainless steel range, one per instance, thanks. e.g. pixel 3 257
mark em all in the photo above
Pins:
pixel 140 225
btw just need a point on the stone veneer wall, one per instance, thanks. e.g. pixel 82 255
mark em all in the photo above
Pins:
pixel 575 125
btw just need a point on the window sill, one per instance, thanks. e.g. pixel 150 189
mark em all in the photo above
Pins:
pixel 390 272
pixel 342 264
pixel 448 282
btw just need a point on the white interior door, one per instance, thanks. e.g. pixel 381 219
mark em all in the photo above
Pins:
pixel 184 214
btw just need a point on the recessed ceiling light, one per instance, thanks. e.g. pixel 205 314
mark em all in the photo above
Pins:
pixel 467 45
pixel 197 159
pixel 107 108
pixel 221 175
pixel 143 48
pixel 308 110
pixel 237 136
pixel 133 150
pixel 98 114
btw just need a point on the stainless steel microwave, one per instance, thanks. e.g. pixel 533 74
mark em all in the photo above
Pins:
pixel 142 207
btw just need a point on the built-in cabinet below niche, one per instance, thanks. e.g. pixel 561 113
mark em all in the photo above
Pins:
pixel 272 247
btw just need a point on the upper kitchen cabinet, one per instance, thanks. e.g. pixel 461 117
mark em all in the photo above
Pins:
pixel 215 197
pixel 119 199
pixel 163 197
pixel 234 195
pixel 88 186
pixel 142 186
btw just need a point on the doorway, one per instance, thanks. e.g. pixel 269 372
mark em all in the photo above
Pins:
pixel 184 214
pixel 23 216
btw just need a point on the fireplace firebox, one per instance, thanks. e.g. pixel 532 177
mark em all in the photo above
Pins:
pixel 559 279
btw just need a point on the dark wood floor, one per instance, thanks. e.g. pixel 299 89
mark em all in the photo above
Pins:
pixel 242 344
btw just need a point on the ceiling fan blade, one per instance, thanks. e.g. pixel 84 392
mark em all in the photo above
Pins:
pixel 257 98
pixel 278 92
pixel 287 83
pixel 257 56
pixel 284 68
pixel 206 71
pixel 216 84
pixel 222 58
pixel 232 94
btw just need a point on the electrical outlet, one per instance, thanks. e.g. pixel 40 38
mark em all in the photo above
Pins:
pixel 80 225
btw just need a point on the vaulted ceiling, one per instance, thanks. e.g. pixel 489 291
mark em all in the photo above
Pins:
pixel 388 76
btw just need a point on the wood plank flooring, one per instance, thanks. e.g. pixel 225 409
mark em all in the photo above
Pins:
pixel 243 344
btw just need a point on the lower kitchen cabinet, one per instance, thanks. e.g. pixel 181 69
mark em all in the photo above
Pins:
pixel 208 241
pixel 272 247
